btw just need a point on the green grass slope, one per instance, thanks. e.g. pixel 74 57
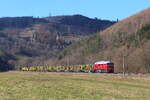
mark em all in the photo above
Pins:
pixel 67 86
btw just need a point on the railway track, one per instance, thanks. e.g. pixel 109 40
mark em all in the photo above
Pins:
pixel 88 73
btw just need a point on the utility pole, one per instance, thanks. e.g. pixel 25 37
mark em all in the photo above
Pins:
pixel 123 65
pixel 124 59
pixel 50 14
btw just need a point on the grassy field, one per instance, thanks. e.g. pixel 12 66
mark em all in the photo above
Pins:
pixel 72 86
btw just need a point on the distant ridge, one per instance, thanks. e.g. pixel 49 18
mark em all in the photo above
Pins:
pixel 27 39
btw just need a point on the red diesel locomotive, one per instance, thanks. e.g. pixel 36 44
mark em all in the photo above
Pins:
pixel 104 67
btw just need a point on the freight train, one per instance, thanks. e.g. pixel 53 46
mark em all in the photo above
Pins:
pixel 98 67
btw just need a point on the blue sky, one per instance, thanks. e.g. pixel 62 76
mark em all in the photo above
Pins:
pixel 103 9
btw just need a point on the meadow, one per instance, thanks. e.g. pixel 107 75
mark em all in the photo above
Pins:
pixel 72 86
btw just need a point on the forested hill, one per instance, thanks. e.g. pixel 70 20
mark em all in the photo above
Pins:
pixel 127 40
pixel 28 39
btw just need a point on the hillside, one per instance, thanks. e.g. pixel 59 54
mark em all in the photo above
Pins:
pixel 29 39
pixel 127 40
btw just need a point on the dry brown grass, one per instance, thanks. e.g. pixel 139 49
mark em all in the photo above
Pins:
pixel 129 25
